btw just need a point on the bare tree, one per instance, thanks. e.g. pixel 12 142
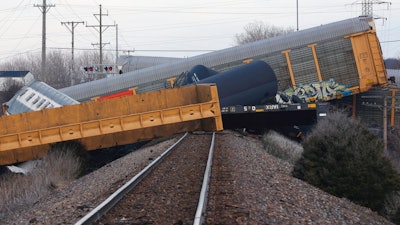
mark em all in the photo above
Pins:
pixel 58 75
pixel 59 69
pixel 392 63
pixel 10 87
pixel 29 63
pixel 259 30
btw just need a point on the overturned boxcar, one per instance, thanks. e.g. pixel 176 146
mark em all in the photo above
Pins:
pixel 344 55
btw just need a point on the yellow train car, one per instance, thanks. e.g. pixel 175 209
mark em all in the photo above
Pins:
pixel 327 72
pixel 118 121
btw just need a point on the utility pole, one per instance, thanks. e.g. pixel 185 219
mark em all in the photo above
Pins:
pixel 367 7
pixel 385 123
pixel 100 29
pixel 297 14
pixel 384 107
pixel 72 29
pixel 129 56
pixel 44 8
pixel 116 44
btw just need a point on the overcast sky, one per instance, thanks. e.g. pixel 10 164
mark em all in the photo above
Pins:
pixel 174 28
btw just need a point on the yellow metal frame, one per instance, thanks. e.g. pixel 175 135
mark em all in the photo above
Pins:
pixel 290 68
pixel 314 52
pixel 393 107
pixel 171 81
pixel 111 122
pixel 369 60
pixel 247 61
pixel 106 126
pixel 286 53
pixel 354 106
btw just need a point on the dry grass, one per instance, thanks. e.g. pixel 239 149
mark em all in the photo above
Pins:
pixel 64 162
pixel 282 147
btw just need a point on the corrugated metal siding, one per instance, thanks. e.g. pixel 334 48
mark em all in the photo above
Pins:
pixel 397 109
pixel 139 62
pixel 280 67
pixel 337 61
pixel 303 66
pixel 369 110
pixel 369 107
pixel 373 112
pixel 272 46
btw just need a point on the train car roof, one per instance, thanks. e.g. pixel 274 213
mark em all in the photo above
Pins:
pixel 47 96
pixel 147 76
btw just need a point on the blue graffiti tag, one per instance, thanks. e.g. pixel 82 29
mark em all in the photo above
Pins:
pixel 313 92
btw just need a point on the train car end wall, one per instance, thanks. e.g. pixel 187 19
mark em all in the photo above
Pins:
pixel 369 60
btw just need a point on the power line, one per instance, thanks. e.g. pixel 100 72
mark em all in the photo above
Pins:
pixel 25 36
pixel 142 50
pixel 7 18
pixel 367 7
pixel 389 41
pixel 99 18
pixel 73 24
pixel 80 18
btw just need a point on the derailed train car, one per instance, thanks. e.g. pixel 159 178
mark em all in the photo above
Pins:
pixel 251 84
pixel 103 124
pixel 34 96
pixel 249 98
pixel 316 64
pixel 313 65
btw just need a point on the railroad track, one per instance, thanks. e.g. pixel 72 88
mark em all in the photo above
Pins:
pixel 171 190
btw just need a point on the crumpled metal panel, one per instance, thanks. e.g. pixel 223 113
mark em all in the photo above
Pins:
pixel 36 96
pixel 153 78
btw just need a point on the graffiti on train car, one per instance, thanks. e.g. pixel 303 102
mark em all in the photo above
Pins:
pixel 313 92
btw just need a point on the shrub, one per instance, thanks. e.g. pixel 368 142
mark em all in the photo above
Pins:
pixel 393 146
pixel 345 159
pixel 392 206
pixel 63 163
pixel 282 147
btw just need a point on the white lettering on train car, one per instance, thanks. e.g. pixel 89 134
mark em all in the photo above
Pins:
pixel 271 107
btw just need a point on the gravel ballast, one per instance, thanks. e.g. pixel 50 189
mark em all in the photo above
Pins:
pixel 263 190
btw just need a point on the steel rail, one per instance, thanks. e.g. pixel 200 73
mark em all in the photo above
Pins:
pixel 113 199
pixel 203 199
